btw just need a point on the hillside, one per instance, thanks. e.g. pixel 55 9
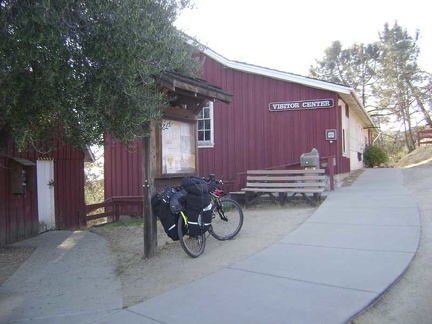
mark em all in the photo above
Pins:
pixel 420 155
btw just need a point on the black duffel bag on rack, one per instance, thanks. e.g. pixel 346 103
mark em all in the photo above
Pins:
pixel 194 185
pixel 198 208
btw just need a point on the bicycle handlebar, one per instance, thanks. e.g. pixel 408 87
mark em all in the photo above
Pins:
pixel 212 177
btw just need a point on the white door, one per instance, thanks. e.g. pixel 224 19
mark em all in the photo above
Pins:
pixel 45 194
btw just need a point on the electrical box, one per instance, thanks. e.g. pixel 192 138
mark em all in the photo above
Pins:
pixel 310 160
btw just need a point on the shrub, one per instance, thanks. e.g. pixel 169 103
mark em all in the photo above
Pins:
pixel 374 156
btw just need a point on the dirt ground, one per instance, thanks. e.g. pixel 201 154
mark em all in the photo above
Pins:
pixel 172 267
pixel 11 258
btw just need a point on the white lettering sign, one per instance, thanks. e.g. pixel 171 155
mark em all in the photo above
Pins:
pixel 305 104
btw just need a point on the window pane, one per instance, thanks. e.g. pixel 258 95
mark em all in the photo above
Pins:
pixel 200 124
pixel 206 112
pixel 207 124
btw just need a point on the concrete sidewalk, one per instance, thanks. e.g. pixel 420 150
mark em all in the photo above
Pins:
pixel 68 279
pixel 356 244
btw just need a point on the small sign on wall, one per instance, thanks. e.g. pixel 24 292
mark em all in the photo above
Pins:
pixel 330 134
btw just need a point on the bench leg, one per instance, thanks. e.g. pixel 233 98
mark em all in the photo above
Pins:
pixel 248 198
pixel 311 201
pixel 283 197
pixel 251 198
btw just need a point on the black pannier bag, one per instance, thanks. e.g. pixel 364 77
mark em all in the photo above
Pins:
pixel 198 208
pixel 161 208
pixel 199 223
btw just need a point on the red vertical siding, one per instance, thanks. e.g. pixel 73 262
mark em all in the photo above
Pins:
pixel 249 136
pixel 19 213
pixel 122 169
pixel 69 197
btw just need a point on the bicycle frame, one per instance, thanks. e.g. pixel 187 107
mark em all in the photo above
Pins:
pixel 184 217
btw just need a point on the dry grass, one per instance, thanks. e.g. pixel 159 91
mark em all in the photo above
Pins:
pixel 420 155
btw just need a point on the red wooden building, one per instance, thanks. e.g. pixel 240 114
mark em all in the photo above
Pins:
pixel 274 117
pixel 40 191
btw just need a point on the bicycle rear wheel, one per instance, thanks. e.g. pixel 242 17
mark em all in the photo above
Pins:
pixel 193 245
pixel 227 219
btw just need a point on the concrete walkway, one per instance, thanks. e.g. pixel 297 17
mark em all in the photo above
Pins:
pixel 69 278
pixel 353 248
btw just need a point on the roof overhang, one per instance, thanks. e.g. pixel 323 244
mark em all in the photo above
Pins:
pixel 358 110
pixel 190 93
pixel 23 162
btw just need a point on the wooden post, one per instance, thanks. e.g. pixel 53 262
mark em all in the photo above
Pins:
pixel 150 229
pixel 330 165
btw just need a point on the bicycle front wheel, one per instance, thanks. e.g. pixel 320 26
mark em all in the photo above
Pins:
pixel 193 245
pixel 227 219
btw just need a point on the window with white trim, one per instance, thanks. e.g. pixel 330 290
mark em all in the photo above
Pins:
pixel 205 126
pixel 345 128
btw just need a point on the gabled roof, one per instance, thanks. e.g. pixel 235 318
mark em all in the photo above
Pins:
pixel 345 92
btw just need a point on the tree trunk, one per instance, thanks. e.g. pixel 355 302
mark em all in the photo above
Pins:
pixel 420 104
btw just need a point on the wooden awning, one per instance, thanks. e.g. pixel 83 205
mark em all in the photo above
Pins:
pixel 192 92
pixel 23 162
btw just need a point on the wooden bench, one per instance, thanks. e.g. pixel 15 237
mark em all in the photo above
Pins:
pixel 283 182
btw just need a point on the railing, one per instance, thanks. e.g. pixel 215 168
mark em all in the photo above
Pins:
pixel 327 163
pixel 424 137
pixel 115 206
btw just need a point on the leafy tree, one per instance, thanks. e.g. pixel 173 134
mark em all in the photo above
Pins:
pixel 94 182
pixel 393 143
pixel 393 88
pixel 354 66
pixel 399 87
pixel 71 70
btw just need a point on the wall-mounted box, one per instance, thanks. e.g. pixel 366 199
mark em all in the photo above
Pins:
pixel 21 176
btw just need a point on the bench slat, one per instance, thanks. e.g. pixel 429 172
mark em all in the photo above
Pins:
pixel 285 178
pixel 272 172
pixel 284 185
pixel 293 190
pixel 308 181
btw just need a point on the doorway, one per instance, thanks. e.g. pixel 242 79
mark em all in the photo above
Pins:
pixel 45 194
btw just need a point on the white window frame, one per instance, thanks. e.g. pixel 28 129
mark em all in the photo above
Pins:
pixel 200 118
pixel 345 140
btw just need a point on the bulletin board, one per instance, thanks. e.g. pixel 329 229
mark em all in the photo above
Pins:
pixel 178 147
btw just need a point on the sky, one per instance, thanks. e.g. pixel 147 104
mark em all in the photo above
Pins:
pixel 291 35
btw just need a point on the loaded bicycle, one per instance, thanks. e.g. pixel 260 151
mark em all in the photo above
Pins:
pixel 226 220
pixel 201 208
